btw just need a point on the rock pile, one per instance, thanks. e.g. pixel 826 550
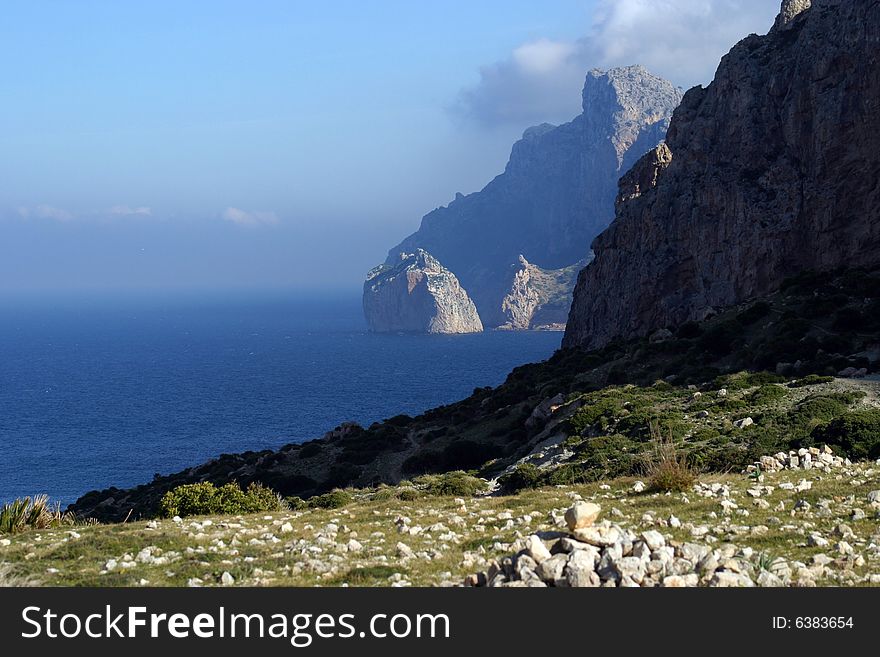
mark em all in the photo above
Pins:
pixel 813 458
pixel 604 554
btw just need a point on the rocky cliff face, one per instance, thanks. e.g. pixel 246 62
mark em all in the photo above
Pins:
pixel 418 294
pixel 771 170
pixel 539 298
pixel 555 195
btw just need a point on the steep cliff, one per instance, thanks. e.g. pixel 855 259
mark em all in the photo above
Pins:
pixel 539 298
pixel 771 170
pixel 418 294
pixel 556 193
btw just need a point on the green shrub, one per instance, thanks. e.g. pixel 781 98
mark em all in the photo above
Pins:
pixel 811 380
pixel 524 477
pixel 767 394
pixel 335 499
pixel 452 484
pixel 857 433
pixel 206 498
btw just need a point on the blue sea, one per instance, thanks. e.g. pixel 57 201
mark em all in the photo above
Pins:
pixel 101 391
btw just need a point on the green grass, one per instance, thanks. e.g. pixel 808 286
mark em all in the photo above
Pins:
pixel 237 543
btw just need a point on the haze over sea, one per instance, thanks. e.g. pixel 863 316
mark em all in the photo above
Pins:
pixel 107 391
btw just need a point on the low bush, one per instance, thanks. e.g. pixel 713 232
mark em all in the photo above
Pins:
pixel 335 499
pixel 524 477
pixel 811 380
pixel 206 498
pixel 857 433
pixel 452 484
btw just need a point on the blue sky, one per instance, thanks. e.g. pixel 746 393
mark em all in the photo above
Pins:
pixel 279 143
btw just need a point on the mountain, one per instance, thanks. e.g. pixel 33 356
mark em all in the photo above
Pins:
pixel 555 195
pixel 418 294
pixel 772 169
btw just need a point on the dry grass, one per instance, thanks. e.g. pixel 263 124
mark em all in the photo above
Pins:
pixel 666 467
pixel 10 578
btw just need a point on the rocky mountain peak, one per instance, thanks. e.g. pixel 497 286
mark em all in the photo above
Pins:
pixel 555 195
pixel 789 11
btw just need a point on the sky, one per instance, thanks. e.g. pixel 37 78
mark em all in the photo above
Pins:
pixel 224 144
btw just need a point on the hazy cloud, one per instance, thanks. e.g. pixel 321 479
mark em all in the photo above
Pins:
pixel 127 211
pixel 45 212
pixel 249 218
pixel 682 40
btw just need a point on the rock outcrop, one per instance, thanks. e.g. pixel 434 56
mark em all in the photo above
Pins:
pixel 539 299
pixel 555 195
pixel 771 170
pixel 418 294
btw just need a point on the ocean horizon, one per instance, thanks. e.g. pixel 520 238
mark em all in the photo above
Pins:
pixel 109 390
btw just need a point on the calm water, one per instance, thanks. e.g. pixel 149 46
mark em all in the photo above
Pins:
pixel 95 392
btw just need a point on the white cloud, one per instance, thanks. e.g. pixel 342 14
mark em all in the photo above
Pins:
pixel 681 40
pixel 249 218
pixel 45 212
pixel 127 211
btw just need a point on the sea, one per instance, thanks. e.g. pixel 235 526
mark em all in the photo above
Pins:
pixel 109 390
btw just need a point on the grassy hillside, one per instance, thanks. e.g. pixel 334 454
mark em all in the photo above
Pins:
pixel 408 536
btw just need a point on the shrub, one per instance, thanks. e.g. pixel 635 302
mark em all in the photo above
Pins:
pixel 767 394
pixel 335 499
pixel 452 484
pixel 756 311
pixel 310 449
pixel 811 380
pixel 26 513
pixel 205 498
pixel 667 469
pixel 856 432
pixel 525 476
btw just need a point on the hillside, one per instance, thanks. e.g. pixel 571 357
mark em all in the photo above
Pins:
pixel 793 527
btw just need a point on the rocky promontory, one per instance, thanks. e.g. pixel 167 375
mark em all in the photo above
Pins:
pixel 418 294
pixel 769 171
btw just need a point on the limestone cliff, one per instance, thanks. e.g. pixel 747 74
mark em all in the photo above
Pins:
pixel 772 169
pixel 539 298
pixel 418 294
pixel 555 195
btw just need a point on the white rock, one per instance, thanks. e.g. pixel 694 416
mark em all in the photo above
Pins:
pixel 582 514
pixel 743 423
pixel 638 487
pixel 226 579
pixel 654 539
pixel 286 528
pixel 536 549
pixel 404 551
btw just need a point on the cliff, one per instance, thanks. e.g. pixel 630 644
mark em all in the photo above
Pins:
pixel 418 294
pixel 539 299
pixel 771 170
pixel 555 195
